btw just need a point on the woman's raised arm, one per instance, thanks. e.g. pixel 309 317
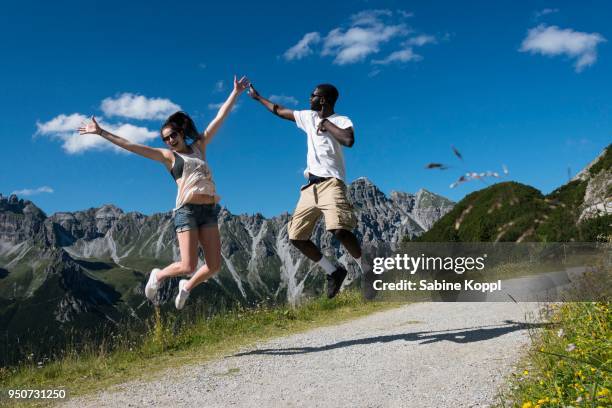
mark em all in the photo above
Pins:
pixel 161 155
pixel 239 87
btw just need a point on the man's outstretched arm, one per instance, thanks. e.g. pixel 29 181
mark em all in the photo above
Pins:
pixel 346 137
pixel 275 108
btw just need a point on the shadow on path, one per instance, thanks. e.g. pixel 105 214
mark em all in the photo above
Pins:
pixel 465 335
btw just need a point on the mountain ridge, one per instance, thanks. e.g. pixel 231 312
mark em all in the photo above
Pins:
pixel 90 266
pixel 580 210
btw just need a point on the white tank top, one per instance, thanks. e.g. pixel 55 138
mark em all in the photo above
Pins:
pixel 192 176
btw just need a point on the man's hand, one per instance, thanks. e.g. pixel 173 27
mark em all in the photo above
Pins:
pixel 276 109
pixel 321 127
pixel 253 93
pixel 345 137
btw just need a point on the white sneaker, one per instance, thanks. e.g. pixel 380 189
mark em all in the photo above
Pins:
pixel 182 296
pixel 152 285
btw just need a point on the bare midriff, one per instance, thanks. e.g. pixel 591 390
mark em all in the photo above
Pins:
pixel 202 199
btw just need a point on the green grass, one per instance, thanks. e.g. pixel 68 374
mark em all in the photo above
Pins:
pixel 570 363
pixel 172 341
pixel 501 212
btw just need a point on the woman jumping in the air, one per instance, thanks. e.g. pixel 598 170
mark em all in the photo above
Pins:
pixel 195 214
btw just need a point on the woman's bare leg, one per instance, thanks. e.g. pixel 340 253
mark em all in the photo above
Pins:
pixel 188 247
pixel 211 242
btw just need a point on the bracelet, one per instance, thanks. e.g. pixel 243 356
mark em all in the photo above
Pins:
pixel 275 109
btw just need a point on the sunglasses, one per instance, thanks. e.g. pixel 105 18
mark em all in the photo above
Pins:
pixel 172 135
pixel 312 96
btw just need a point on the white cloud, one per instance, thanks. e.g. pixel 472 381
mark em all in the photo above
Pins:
pixel 33 191
pixel 132 106
pixel 546 11
pixel 363 38
pixel 421 40
pixel 219 85
pixel 373 73
pixel 303 47
pixel 63 127
pixel 404 55
pixel 365 35
pixel 405 13
pixel 217 106
pixel 284 99
pixel 369 17
pixel 61 124
pixel 407 53
pixel 552 41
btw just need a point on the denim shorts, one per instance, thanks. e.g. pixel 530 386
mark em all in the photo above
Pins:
pixel 193 216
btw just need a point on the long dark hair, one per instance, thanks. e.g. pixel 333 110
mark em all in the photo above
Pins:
pixel 181 121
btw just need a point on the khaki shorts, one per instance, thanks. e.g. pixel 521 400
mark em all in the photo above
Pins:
pixel 327 198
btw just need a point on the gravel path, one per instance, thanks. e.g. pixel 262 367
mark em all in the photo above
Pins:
pixel 420 355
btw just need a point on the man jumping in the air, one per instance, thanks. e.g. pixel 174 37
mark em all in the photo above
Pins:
pixel 325 192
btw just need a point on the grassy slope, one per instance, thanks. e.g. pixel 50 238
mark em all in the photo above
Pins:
pixel 507 208
pixel 569 363
pixel 170 343
pixel 509 211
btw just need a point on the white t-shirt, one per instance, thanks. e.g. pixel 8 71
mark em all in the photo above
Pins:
pixel 324 158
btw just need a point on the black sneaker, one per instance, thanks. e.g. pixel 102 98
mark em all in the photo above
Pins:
pixel 334 282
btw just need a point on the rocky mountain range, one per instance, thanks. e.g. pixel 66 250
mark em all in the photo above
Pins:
pixel 77 269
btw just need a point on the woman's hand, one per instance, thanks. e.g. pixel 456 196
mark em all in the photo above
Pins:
pixel 161 155
pixel 241 85
pixel 91 127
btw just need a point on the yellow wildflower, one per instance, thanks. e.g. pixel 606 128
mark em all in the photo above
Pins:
pixel 543 400
pixel 527 404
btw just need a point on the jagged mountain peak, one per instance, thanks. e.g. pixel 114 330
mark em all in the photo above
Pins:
pixel 425 198
pixel 362 192
pixel 362 181
pixel 108 210
pixel 18 205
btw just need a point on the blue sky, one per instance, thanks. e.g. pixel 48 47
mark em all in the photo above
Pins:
pixel 525 84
